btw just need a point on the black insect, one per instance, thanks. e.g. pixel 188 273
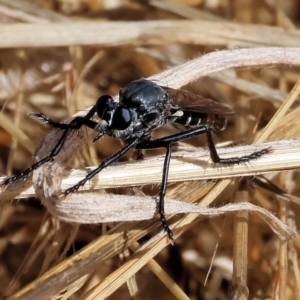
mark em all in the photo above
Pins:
pixel 144 106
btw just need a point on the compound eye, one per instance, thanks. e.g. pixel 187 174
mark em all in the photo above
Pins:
pixel 121 119
pixel 104 105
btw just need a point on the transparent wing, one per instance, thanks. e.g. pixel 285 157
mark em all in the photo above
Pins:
pixel 191 102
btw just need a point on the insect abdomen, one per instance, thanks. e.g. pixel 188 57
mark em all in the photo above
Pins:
pixel 195 119
pixel 189 119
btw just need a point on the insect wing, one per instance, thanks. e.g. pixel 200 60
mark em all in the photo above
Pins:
pixel 196 103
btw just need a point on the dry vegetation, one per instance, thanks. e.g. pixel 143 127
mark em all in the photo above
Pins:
pixel 57 58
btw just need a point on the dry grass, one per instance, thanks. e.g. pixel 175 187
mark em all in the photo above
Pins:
pixel 59 60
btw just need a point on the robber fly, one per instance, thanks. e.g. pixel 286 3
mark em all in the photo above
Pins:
pixel 144 106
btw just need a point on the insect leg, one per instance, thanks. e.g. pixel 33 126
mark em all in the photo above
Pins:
pixel 167 142
pixel 161 207
pixel 212 148
pixel 46 120
pixel 162 193
pixel 75 124
pixel 231 160
pixel 177 137
pixel 103 165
